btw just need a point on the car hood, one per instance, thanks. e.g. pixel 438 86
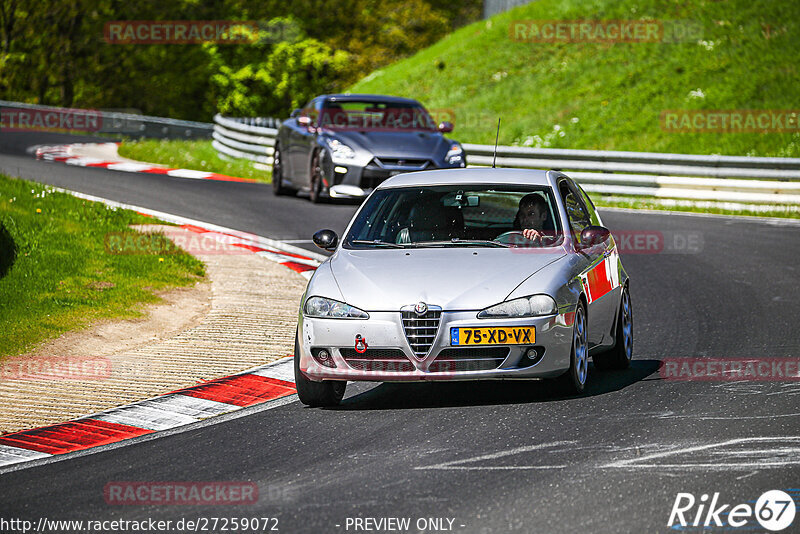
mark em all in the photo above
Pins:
pixel 453 278
pixel 411 145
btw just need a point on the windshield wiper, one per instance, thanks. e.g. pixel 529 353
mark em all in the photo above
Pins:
pixel 463 243
pixel 376 243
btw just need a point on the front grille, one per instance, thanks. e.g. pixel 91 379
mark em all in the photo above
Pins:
pixel 379 169
pixel 469 359
pixel 472 353
pixel 415 164
pixel 373 354
pixel 381 366
pixel 377 360
pixel 421 330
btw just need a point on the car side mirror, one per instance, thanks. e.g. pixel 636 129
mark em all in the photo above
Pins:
pixel 305 120
pixel 326 239
pixel 295 113
pixel 446 127
pixel 594 235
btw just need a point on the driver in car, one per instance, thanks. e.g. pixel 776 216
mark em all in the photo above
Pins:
pixel 531 217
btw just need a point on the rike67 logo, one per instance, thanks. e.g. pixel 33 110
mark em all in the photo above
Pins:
pixel 774 511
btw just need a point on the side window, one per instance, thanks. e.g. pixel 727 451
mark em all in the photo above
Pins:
pixel 593 216
pixel 576 209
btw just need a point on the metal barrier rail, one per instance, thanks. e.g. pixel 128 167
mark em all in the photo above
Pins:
pixel 752 180
pixel 638 162
pixel 252 138
pixel 692 160
pixel 110 122
pixel 678 176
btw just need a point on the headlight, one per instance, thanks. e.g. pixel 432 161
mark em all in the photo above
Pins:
pixel 455 153
pixel 340 150
pixel 532 306
pixel 332 309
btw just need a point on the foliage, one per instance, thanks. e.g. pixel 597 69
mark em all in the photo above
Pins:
pixel 53 52
pixel 291 74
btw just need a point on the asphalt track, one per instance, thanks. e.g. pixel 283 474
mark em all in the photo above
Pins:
pixel 494 456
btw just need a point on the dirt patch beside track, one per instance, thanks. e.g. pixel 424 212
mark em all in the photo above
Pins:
pixel 244 315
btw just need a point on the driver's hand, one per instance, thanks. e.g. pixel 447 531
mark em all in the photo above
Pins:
pixel 533 235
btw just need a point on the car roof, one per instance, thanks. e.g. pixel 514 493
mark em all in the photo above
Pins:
pixel 476 175
pixel 341 97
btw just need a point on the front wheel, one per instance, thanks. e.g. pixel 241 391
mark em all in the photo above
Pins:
pixel 315 191
pixel 316 394
pixel 620 356
pixel 573 382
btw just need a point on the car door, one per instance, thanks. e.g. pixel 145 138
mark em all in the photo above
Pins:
pixel 300 137
pixel 607 275
pixel 589 259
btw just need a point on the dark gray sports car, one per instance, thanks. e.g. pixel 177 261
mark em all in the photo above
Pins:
pixel 343 146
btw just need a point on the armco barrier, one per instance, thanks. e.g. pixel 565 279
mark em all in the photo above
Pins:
pixel 702 178
pixel 738 179
pixel 118 123
pixel 252 138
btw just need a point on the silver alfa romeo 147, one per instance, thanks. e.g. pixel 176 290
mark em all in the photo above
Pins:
pixel 466 274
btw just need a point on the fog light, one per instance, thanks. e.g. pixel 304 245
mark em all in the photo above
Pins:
pixel 531 357
pixel 323 357
pixel 340 170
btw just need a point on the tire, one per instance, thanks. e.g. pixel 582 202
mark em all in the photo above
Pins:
pixel 573 382
pixel 277 172
pixel 316 394
pixel 620 356
pixel 315 191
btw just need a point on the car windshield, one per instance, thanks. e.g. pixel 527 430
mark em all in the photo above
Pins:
pixel 375 116
pixel 457 216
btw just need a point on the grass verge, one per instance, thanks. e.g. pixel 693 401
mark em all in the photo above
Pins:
pixel 195 155
pixel 58 273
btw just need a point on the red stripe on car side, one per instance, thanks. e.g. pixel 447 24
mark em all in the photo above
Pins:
pixel 599 283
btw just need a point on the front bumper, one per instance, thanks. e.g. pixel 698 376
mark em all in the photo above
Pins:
pixel 349 180
pixel 389 356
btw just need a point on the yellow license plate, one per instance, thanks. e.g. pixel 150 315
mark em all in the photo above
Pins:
pixel 493 335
